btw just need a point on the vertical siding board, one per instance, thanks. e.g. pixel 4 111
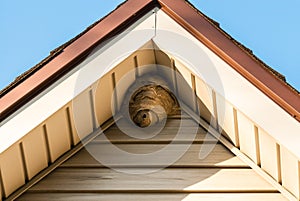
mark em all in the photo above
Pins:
pixel 125 74
pixel 193 80
pixel 174 76
pixel 185 87
pixel 247 137
pixel 146 61
pixel 24 164
pixel 205 102
pixel 290 171
pixel 268 155
pixel 166 68
pixel 136 65
pixel 73 131
pixel 257 146
pixel 236 128
pixel 92 108
pixel 82 114
pixel 278 163
pixel 12 170
pixel 225 118
pixel 115 99
pixel 103 99
pixel 58 134
pixel 73 135
pixel 162 59
pixel 35 152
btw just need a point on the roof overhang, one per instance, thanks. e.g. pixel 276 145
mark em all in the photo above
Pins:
pixel 193 21
pixel 149 27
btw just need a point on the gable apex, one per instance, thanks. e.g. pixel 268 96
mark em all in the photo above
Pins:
pixel 203 28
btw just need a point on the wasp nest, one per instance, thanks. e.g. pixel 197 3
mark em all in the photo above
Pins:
pixel 151 104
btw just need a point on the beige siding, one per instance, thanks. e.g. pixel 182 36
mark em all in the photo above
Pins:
pixel 12 169
pixel 125 74
pixel 269 155
pixel 58 136
pixel 219 157
pixel 35 152
pixel 162 58
pixel 248 137
pixel 218 173
pixel 144 59
pixel 73 130
pixel 166 68
pixel 221 175
pixel 191 179
pixel 206 102
pixel 226 119
pixel 290 171
pixel 156 196
pixel 103 99
pixel 82 114
pixel 185 89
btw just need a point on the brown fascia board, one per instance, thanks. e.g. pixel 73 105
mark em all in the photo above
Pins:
pixel 66 58
pixel 204 29
pixel 238 58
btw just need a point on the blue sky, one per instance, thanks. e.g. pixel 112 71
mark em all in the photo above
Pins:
pixel 31 29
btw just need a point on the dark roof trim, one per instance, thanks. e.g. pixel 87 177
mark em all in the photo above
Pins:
pixel 236 56
pixel 204 29
pixel 67 56
pixel 51 56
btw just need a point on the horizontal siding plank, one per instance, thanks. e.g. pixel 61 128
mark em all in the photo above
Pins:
pixel 171 122
pixel 167 134
pixel 218 157
pixel 152 196
pixel 170 179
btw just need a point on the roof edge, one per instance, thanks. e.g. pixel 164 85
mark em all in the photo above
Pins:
pixel 233 53
pixel 67 56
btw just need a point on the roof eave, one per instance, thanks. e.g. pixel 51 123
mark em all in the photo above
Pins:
pixel 219 42
pixel 73 53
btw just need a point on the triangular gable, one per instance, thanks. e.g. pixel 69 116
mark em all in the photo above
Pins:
pixel 77 65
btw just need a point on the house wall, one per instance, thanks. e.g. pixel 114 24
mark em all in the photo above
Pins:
pixel 73 122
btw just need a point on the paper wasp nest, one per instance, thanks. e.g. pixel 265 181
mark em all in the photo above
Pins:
pixel 152 103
